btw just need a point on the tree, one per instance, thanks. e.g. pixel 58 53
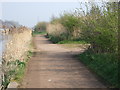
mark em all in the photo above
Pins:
pixel 41 26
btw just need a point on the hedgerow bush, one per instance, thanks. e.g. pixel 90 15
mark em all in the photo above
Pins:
pixel 71 23
pixel 56 32
pixel 97 25
pixel 100 29
pixel 40 27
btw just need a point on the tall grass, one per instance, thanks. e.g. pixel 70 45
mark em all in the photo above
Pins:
pixel 18 44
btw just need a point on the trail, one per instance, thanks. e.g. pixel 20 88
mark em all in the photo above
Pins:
pixel 54 67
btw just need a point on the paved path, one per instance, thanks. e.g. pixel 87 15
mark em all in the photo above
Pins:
pixel 54 67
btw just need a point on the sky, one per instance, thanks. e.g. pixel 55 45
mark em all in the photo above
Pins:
pixel 29 13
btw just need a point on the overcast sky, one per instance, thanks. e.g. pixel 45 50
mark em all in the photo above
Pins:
pixel 29 13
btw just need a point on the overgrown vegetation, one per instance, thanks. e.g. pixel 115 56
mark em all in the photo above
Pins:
pixel 14 70
pixel 56 32
pixel 104 65
pixel 96 24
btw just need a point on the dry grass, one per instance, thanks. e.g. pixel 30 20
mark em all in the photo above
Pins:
pixel 55 29
pixel 18 44
pixel 15 54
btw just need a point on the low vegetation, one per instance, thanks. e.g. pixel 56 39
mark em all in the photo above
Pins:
pixel 40 28
pixel 15 70
pixel 104 65
pixel 72 42
pixel 37 33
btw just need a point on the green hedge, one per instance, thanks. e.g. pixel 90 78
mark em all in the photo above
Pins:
pixel 98 26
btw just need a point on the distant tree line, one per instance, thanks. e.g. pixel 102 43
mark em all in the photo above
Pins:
pixel 40 27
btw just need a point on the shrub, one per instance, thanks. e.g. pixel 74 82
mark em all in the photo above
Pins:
pixel 56 32
pixel 99 27
pixel 71 23
pixel 40 27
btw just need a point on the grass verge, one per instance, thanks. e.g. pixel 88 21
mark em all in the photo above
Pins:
pixel 104 65
pixel 37 33
pixel 21 68
pixel 16 70
pixel 58 40
pixel 72 42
